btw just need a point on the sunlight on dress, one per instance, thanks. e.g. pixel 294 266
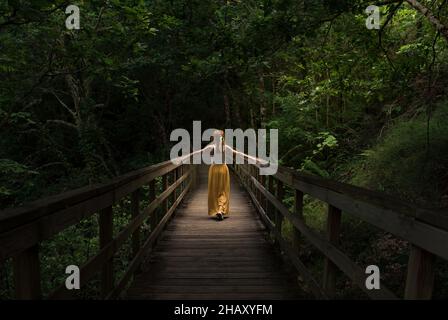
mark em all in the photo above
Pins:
pixel 218 189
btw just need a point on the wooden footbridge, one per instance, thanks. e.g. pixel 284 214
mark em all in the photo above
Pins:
pixel 186 255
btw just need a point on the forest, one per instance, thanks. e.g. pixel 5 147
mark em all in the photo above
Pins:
pixel 368 107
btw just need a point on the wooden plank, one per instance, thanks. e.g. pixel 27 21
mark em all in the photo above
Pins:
pixel 106 236
pixel 221 275
pixel 211 288
pixel 228 258
pixel 211 246
pixel 330 269
pixel 420 277
pixel 213 296
pixel 26 268
pixel 217 281
pixel 195 247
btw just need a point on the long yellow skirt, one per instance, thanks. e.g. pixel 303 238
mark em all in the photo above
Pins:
pixel 218 189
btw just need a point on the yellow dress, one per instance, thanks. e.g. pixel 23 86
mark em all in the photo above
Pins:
pixel 218 189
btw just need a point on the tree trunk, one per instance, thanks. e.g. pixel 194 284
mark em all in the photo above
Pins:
pixel 227 110
pixel 262 102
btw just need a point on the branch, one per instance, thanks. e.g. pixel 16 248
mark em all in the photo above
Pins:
pixel 440 27
pixel 63 104
pixel 64 123
pixel 380 33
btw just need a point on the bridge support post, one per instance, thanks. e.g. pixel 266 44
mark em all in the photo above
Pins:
pixel 152 197
pixel 330 271
pixel 270 207
pixel 174 176
pixel 262 197
pixel 278 215
pixel 106 235
pixel 165 206
pixel 135 211
pixel 181 174
pixel 298 208
pixel 27 274
pixel 420 278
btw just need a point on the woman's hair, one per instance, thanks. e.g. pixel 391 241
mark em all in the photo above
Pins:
pixel 219 134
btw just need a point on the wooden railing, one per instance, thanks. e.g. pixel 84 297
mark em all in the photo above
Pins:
pixel 22 229
pixel 426 231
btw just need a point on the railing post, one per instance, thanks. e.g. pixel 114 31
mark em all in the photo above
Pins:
pixel 192 169
pixel 165 206
pixel 270 207
pixel 257 191
pixel 176 176
pixel 420 277
pixel 298 208
pixel 278 215
pixel 27 274
pixel 106 235
pixel 330 269
pixel 262 197
pixel 181 174
pixel 152 197
pixel 135 211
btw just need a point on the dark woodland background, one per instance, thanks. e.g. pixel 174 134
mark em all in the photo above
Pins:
pixel 366 107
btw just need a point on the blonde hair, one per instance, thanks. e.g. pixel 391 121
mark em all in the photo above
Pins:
pixel 220 134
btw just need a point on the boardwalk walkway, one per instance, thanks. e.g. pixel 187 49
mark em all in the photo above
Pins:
pixel 200 258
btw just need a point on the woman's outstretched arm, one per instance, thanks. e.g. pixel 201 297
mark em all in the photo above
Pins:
pixel 182 158
pixel 257 160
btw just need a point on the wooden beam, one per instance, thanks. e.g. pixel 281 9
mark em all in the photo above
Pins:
pixel 278 215
pixel 135 211
pixel 263 201
pixel 420 278
pixel 26 268
pixel 106 236
pixel 270 207
pixel 165 185
pixel 330 269
pixel 298 208
pixel 152 197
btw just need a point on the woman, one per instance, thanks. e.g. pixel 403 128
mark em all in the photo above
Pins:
pixel 218 181
pixel 218 175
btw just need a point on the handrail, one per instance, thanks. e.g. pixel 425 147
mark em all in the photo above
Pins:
pixel 22 229
pixel 425 229
pixel 11 218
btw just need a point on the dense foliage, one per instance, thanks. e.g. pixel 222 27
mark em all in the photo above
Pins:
pixel 363 106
